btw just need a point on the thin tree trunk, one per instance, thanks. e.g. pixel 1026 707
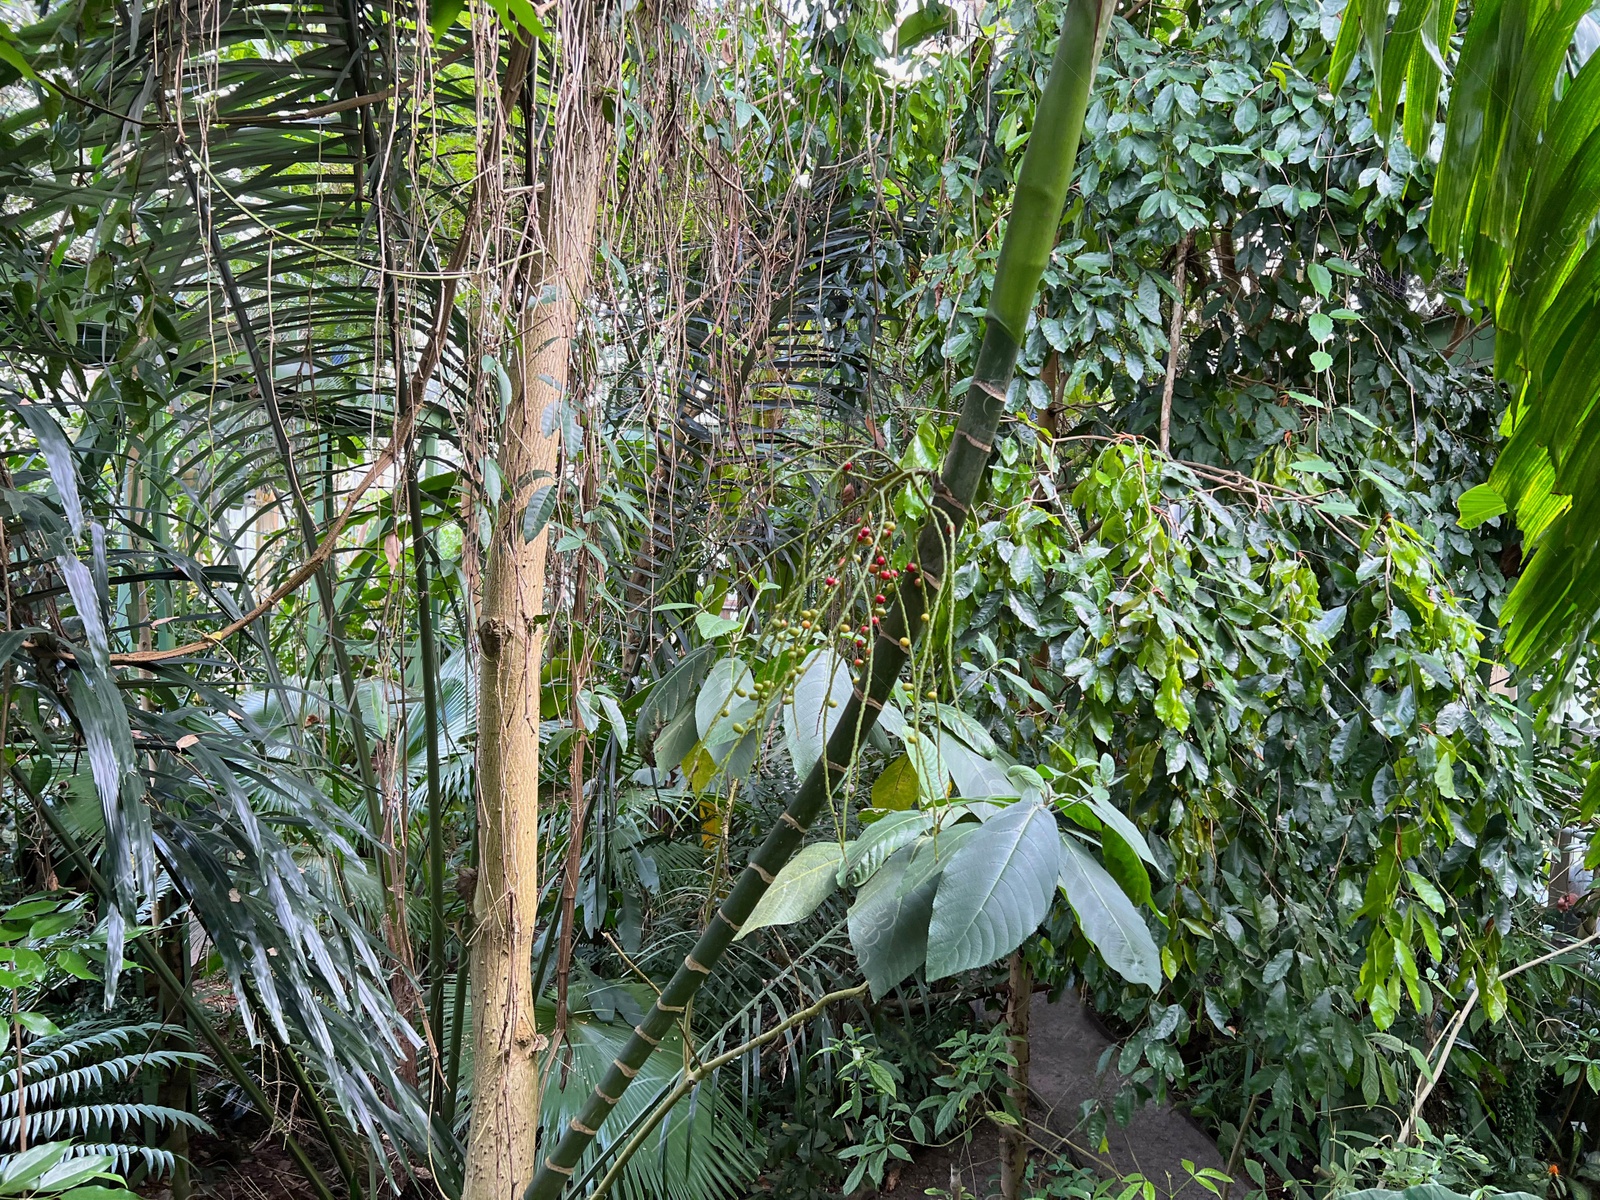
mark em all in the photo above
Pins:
pixel 1013 1139
pixel 505 1090
pixel 1228 261
pixel 1174 342
pixel 175 1090
pixel 1041 191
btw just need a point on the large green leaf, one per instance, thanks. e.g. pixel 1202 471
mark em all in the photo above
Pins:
pixel 1107 917
pixel 726 698
pixel 881 839
pixel 996 890
pixel 808 879
pixel 889 921
pixel 1479 504
pixel 809 719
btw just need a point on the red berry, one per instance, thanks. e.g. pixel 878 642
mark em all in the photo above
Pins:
pixel 832 582
pixel 849 466
pixel 880 560
pixel 874 620
pixel 860 661
pixel 880 598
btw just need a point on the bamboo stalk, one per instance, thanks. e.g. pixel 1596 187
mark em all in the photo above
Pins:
pixel 1030 238
pixel 691 1078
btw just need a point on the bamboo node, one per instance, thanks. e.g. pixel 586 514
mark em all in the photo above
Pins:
pixel 868 699
pixel 552 1165
pixel 627 1071
pixel 788 819
pixel 766 876
pixel 943 495
pixel 645 1037
pixel 668 1008
pixel 984 447
pixel 579 1127
pixel 723 916
pixel 698 968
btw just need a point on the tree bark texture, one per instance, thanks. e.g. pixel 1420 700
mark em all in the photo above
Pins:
pixel 1174 343
pixel 506 1040
pixel 1013 1139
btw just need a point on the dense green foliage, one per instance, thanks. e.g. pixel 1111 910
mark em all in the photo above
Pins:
pixel 1228 741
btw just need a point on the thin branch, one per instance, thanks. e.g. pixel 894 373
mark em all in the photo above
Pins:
pixel 664 1106
pixel 1425 1086
pixel 1174 340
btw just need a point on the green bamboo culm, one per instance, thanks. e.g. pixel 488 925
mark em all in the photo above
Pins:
pixel 1030 237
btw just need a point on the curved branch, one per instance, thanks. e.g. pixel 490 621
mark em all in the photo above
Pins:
pixel 695 1076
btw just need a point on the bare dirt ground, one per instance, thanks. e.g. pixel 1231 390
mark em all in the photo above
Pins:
pixel 1066 1047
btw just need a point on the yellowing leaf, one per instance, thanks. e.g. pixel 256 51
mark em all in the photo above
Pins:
pixel 897 787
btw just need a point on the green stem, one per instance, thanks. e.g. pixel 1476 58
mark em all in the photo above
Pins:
pixel 429 666
pixel 1030 237
pixel 151 957
pixel 458 1016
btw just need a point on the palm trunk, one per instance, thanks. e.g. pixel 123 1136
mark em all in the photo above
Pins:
pixel 505 1089
pixel 1030 236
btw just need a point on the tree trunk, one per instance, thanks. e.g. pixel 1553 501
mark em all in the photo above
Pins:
pixel 506 1041
pixel 1013 1140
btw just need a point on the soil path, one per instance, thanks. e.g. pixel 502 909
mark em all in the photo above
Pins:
pixel 1067 1044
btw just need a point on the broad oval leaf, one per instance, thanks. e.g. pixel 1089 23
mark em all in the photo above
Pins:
pixel 995 891
pixel 1108 918
pixel 809 721
pixel 802 885
pixel 889 920
pixel 889 923
pixel 1118 822
pixel 897 786
pixel 1479 504
pixel 976 777
pixel 719 706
